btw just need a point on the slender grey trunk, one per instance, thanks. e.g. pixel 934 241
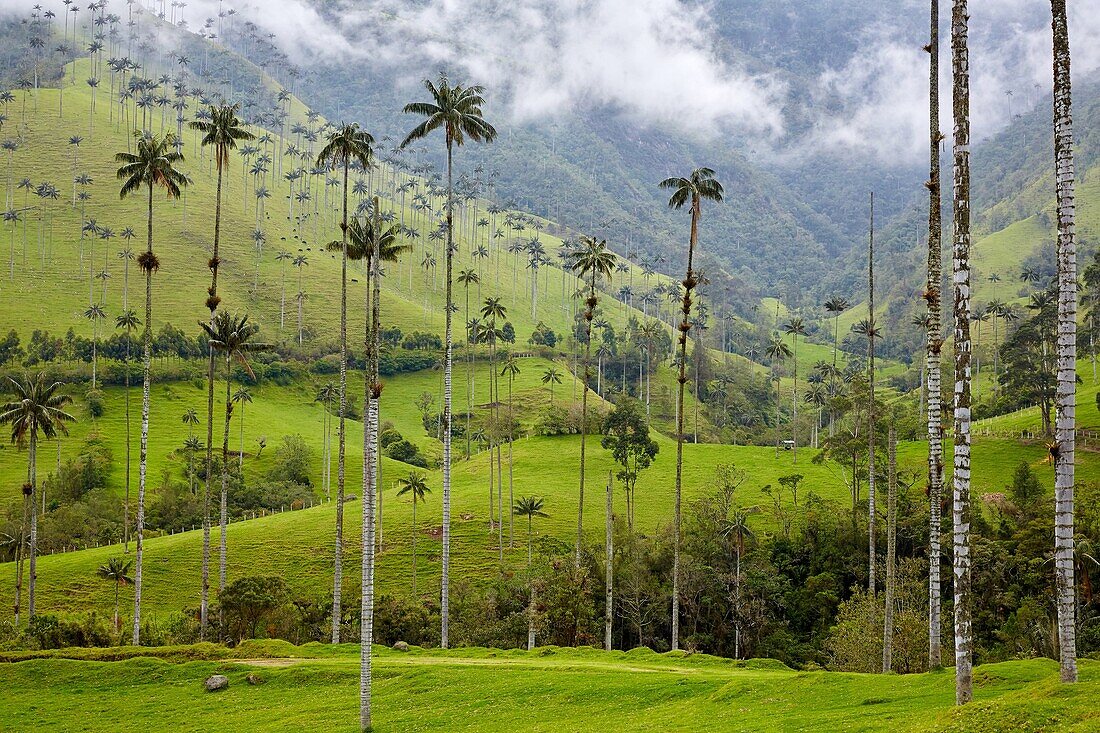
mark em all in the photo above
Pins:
pixel 338 557
pixel 448 365
pixel 32 456
pixel 223 519
pixel 143 451
pixel 212 305
pixel 891 549
pixel 871 404
pixel 1065 403
pixel 934 345
pixel 961 278
pixel 609 572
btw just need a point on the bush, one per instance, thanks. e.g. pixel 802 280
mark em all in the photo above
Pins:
pixel 248 601
pixel 293 459
pixel 406 452
pixel 53 632
pixel 93 403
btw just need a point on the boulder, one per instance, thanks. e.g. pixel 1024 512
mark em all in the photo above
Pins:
pixel 216 682
pixel 254 679
pixel 401 646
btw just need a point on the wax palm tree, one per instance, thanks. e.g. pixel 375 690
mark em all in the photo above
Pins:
pixel 455 109
pixel 282 258
pixel 232 337
pixel 35 413
pixel 551 377
pixel 466 278
pixel 1065 422
pixel 95 313
pixel 415 486
pixel 128 320
pixel 736 529
pixel 116 570
pixel 492 312
pixel 869 329
pixel 242 397
pixel 835 306
pixel 327 395
pixel 795 327
pixel 592 261
pixel 511 370
pixel 347 144
pixel 299 262
pixel 152 166
pixel 221 130
pixel 190 418
pixel 700 185
pixel 530 507
pixel 934 342
pixel 776 352
pixel 960 62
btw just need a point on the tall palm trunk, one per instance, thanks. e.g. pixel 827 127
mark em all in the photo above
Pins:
pixel 32 473
pixel 448 365
pixel 212 305
pixel 223 516
pixel 338 555
pixel 794 402
pixel 871 403
pixel 531 591
pixel 143 450
pixel 934 344
pixel 891 548
pixel 589 314
pixel 376 348
pixel 609 577
pixel 685 326
pixel 126 504
pixel 1067 347
pixel 371 460
pixel 960 264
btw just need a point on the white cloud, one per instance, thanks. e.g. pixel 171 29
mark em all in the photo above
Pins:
pixel 878 99
pixel 652 59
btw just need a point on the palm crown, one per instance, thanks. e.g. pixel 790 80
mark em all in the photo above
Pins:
pixel 152 165
pixel 36 409
pixel 456 109
pixel 414 484
pixel 593 258
pixel 233 337
pixel 347 144
pixel 364 240
pixel 222 131
pixel 701 184
pixel 529 506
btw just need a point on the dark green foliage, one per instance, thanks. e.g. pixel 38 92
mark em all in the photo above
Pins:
pixel 404 451
pixel 293 461
pixel 10 350
pixel 543 335
pixel 1025 491
pixel 248 600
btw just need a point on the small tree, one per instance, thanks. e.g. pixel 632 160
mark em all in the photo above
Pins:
pixel 626 435
pixel 530 507
pixel 415 485
pixel 117 570
pixel 246 601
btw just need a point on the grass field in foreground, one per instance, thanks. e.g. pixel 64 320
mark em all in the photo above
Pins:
pixel 550 689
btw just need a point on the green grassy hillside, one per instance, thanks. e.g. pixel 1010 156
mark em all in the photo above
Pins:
pixel 490 690
pixel 298 545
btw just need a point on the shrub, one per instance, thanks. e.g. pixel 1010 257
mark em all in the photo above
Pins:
pixel 293 459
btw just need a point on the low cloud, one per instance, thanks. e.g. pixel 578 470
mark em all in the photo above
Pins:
pixel 654 60
pixel 878 99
